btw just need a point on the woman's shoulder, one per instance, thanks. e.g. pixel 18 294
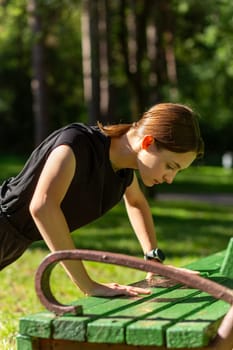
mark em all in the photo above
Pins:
pixel 87 142
pixel 81 129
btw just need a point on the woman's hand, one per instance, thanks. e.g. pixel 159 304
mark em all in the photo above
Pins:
pixel 113 289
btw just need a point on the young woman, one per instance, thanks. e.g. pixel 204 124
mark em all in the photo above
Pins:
pixel 78 173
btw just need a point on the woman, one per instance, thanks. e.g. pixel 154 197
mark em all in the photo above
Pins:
pixel 78 173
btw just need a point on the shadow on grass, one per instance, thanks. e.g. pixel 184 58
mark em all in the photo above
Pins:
pixel 183 229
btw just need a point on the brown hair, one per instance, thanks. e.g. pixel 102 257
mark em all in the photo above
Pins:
pixel 175 127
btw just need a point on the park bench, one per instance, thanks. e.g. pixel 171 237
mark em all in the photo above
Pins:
pixel 182 312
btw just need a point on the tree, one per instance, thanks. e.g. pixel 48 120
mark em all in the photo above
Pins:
pixel 39 79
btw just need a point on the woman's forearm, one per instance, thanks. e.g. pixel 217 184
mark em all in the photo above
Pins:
pixel 142 223
pixel 54 230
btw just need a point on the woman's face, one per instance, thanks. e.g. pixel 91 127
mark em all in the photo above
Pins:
pixel 160 165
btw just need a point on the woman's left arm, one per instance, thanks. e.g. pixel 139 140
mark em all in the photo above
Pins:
pixel 140 216
pixel 141 219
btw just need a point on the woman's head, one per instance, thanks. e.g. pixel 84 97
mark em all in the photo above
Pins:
pixel 174 127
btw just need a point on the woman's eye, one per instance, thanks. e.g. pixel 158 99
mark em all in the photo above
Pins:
pixel 170 167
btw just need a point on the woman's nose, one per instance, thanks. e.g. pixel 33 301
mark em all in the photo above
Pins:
pixel 168 178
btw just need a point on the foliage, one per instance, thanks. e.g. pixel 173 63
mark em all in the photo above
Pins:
pixel 204 51
pixel 202 46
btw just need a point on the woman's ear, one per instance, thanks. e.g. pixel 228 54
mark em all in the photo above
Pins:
pixel 147 141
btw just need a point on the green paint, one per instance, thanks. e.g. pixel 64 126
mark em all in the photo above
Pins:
pixel 146 332
pixel 25 343
pixel 210 264
pixel 188 334
pixel 68 327
pixel 227 265
pixel 114 305
pixel 38 325
pixel 90 302
pixel 198 328
pixel 107 330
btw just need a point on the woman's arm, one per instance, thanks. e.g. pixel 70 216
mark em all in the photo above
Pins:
pixel 45 208
pixel 141 219
pixel 140 216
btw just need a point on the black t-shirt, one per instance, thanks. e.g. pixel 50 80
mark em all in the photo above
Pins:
pixel 95 187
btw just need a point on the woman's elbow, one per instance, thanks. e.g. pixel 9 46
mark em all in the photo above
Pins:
pixel 37 207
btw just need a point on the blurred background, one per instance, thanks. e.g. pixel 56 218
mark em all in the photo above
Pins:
pixel 82 60
pixel 64 61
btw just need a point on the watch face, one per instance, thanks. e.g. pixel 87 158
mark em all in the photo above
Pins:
pixel 156 254
pixel 160 254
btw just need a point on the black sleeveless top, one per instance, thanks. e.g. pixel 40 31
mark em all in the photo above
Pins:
pixel 95 187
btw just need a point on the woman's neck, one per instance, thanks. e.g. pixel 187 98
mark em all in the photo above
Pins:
pixel 122 152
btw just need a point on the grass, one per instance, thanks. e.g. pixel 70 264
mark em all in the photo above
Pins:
pixel 186 231
pixel 202 179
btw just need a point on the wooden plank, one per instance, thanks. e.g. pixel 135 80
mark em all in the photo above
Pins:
pixel 70 327
pixel 107 327
pixel 103 329
pixel 210 264
pixel 161 319
pixel 38 325
pixel 147 332
pixel 89 302
pixel 227 265
pixel 200 327
pixel 107 330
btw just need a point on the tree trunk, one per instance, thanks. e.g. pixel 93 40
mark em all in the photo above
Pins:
pixel 38 83
pixel 169 49
pixel 90 52
pixel 132 36
pixel 104 59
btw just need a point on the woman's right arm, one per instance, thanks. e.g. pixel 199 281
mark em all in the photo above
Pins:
pixel 45 208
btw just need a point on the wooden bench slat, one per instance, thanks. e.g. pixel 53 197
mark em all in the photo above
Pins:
pixel 199 327
pixel 201 301
pixel 147 332
pixel 106 327
pixel 211 263
pixel 107 330
pixel 117 305
pixel 89 302
pixel 161 320
pixel 38 325
pixel 70 328
pixel 158 303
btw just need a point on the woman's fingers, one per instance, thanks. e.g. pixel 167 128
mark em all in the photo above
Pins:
pixel 113 289
pixel 152 276
pixel 127 290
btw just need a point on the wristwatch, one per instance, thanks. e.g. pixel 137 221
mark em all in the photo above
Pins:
pixel 156 254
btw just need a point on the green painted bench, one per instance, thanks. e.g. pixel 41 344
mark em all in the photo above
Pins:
pixel 174 316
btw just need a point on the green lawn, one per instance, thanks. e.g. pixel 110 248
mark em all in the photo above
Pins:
pixel 186 231
pixel 202 179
